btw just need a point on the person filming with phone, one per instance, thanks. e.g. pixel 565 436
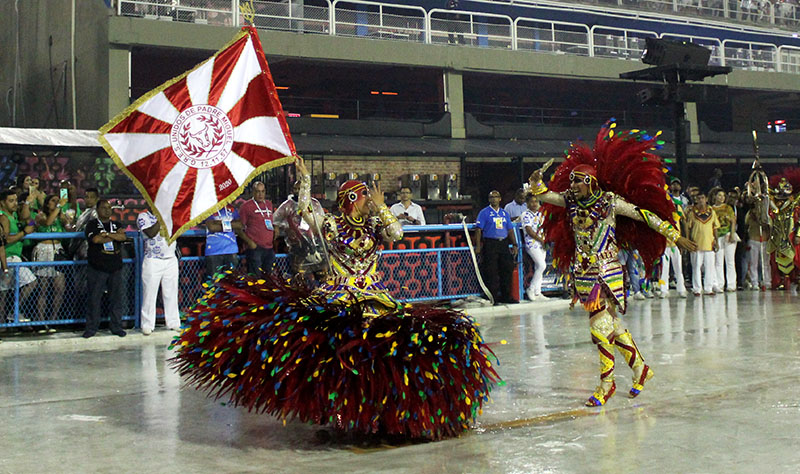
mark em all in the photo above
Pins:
pixel 71 209
pixel 407 212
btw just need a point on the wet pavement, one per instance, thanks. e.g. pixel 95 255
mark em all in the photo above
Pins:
pixel 724 399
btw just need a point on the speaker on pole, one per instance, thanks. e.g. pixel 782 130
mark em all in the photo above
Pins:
pixel 662 52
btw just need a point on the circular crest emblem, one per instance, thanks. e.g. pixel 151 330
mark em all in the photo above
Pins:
pixel 202 136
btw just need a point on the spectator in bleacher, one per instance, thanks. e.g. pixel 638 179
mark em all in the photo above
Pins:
pixel 23 182
pixel 516 207
pixel 71 209
pixel 784 12
pixel 304 243
pixel 494 231
pixel 35 195
pixel 105 269
pixel 159 268
pixel 716 179
pixel 10 219
pixel 406 211
pixel 79 246
pixel 49 220
pixel 221 246
pixel 256 217
pixel 23 206
pixel 454 23
pixel 3 261
pixel 27 192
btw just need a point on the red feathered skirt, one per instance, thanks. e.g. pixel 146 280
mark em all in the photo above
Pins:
pixel 293 352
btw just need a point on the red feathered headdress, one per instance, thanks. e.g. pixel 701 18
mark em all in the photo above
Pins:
pixel 792 175
pixel 625 166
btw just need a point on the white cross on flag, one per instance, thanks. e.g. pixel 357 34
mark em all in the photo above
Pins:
pixel 193 143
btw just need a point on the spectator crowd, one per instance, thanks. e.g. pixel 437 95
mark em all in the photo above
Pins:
pixel 733 251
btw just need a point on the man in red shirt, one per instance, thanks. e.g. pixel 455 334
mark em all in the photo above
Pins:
pixel 256 217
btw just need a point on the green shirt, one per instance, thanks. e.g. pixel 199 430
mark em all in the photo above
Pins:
pixel 726 217
pixel 15 249
pixel 56 226
pixel 65 207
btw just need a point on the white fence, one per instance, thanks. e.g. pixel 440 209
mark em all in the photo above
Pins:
pixel 381 21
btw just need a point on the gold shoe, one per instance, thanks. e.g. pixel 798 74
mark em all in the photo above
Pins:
pixel 601 396
pixel 637 388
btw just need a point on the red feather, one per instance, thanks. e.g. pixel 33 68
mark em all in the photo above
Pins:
pixel 626 167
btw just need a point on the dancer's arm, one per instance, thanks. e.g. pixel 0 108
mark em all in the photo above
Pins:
pixel 624 208
pixel 537 187
pixel 304 195
pixel 392 230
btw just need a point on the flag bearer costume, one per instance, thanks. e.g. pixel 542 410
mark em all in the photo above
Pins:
pixel 346 353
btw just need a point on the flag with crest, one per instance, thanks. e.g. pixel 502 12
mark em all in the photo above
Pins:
pixel 192 144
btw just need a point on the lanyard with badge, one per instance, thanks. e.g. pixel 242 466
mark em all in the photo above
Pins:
pixel 226 219
pixel 267 221
pixel 107 246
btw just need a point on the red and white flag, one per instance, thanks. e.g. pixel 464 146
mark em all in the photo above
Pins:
pixel 193 143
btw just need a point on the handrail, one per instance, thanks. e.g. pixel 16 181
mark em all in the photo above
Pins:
pixel 511 39
pixel 602 31
pixel 441 274
pixel 748 45
pixel 789 51
pixel 508 21
pixel 380 6
pixel 553 31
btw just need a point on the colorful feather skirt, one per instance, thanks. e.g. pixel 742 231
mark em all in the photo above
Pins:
pixel 292 352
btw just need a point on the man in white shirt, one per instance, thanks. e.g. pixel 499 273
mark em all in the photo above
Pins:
pixel 406 211
pixel 516 207
pixel 159 267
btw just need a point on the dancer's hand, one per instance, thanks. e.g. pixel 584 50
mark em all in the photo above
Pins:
pixel 538 175
pixel 535 177
pixel 300 166
pixel 686 244
pixel 376 195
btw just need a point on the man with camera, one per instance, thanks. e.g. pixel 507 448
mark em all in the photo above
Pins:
pixel 407 212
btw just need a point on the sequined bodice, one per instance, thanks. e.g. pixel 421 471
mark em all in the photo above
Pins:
pixel 593 225
pixel 783 224
pixel 353 246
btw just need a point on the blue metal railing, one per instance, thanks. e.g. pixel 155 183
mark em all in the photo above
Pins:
pixel 441 273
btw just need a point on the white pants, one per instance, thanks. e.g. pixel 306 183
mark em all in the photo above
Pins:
pixel 538 257
pixel 703 267
pixel 672 256
pixel 160 272
pixel 758 256
pixel 725 256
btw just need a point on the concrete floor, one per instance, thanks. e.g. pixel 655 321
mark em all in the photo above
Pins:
pixel 724 399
